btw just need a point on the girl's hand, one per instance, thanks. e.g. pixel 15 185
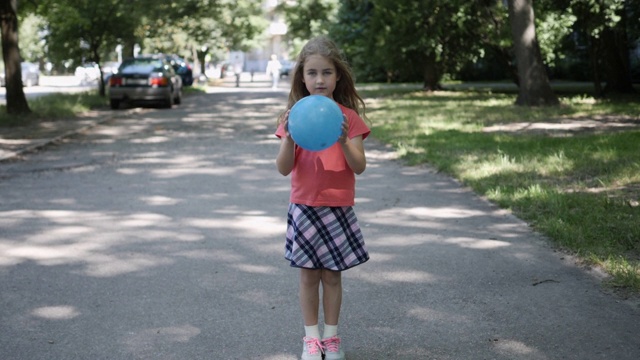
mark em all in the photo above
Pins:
pixel 285 124
pixel 345 130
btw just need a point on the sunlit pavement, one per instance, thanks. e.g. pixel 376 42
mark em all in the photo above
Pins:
pixel 159 234
pixel 50 84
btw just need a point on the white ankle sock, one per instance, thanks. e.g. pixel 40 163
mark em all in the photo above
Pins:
pixel 330 331
pixel 312 331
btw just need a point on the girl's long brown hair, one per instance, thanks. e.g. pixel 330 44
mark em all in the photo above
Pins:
pixel 345 92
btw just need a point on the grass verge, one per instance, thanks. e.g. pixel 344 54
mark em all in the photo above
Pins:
pixel 55 107
pixel 60 106
pixel 572 172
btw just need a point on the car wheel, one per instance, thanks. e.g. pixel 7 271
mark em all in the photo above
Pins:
pixel 178 99
pixel 168 102
pixel 115 104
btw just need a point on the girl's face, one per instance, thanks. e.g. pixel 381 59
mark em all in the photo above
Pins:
pixel 319 76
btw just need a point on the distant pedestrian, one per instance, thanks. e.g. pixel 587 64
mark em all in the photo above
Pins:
pixel 237 70
pixel 323 235
pixel 273 69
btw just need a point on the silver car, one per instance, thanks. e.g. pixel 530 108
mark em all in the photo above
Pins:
pixel 145 79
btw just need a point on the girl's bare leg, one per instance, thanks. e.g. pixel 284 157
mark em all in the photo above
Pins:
pixel 331 295
pixel 310 295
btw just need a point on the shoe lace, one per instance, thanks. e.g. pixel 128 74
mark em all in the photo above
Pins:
pixel 314 346
pixel 332 344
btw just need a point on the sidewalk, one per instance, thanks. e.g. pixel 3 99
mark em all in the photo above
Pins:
pixel 17 140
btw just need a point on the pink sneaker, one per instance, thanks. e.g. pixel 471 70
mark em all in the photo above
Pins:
pixel 312 349
pixel 332 350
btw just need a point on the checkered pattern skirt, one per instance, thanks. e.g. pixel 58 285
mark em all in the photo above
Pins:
pixel 324 238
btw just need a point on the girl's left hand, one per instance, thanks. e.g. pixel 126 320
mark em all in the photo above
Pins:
pixel 285 124
pixel 345 130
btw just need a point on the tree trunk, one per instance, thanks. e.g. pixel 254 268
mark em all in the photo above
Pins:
pixel 505 57
pixel 16 100
pixel 595 66
pixel 534 89
pixel 615 59
pixel 431 74
pixel 102 89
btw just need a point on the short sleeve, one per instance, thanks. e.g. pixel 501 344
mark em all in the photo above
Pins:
pixel 357 126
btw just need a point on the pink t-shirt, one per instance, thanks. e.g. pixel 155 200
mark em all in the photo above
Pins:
pixel 323 178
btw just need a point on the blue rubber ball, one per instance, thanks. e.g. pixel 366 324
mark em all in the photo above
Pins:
pixel 315 122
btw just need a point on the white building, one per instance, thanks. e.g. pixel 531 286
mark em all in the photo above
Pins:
pixel 275 36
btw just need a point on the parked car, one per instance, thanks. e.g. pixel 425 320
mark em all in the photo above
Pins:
pixel 108 69
pixel 182 68
pixel 145 79
pixel 30 74
pixel 87 73
pixel 287 67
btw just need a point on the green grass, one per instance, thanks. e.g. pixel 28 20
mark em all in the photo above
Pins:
pixel 579 188
pixel 55 107
pixel 65 106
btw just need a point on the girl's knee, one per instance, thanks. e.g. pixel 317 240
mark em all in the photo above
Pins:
pixel 310 277
pixel 331 278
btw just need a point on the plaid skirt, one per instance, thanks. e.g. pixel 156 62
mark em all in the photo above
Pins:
pixel 324 238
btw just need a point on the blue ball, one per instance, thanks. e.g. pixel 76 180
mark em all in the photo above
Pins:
pixel 315 122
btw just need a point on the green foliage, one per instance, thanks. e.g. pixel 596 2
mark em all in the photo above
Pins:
pixel 201 24
pixel 308 18
pixel 599 31
pixel 394 41
pixel 428 39
pixel 81 30
pixel 86 30
pixel 352 32
pixel 597 15
pixel 551 29
pixel 31 37
pixel 576 187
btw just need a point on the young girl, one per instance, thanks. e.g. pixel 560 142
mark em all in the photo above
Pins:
pixel 323 235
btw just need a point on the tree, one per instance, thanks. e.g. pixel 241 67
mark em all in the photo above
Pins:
pixel 605 30
pixel 606 25
pixel 534 88
pixel 82 30
pixel 32 47
pixel 352 31
pixel 200 29
pixel 16 100
pixel 417 40
pixel 88 30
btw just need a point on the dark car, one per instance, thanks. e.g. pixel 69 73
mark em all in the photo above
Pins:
pixel 182 68
pixel 287 67
pixel 145 79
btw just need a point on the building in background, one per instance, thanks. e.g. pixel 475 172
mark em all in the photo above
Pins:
pixel 275 40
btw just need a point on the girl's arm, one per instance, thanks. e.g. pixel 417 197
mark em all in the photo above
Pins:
pixel 286 155
pixel 353 150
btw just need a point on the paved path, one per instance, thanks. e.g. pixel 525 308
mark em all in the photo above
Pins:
pixel 159 235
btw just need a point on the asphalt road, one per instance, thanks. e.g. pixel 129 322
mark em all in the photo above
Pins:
pixel 160 235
